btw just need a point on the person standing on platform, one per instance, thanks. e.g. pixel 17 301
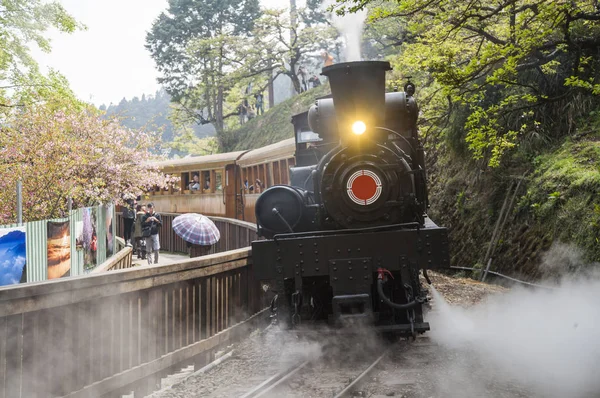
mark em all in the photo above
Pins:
pixel 128 218
pixel 315 81
pixel 302 76
pixel 138 239
pixel 259 104
pixel 151 222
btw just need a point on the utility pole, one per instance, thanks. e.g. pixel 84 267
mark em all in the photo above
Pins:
pixel 19 202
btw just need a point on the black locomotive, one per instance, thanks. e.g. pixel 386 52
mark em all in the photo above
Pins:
pixel 347 238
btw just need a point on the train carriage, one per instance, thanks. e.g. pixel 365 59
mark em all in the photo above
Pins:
pixel 227 181
pixel 217 189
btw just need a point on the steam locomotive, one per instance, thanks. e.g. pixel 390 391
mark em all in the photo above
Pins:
pixel 346 239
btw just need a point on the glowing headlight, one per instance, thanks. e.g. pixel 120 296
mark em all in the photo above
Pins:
pixel 359 127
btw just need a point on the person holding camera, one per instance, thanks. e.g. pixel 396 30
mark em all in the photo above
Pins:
pixel 151 222
pixel 139 245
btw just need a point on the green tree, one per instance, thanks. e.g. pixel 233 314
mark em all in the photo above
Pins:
pixel 271 51
pixel 314 13
pixel 183 71
pixel 187 142
pixel 23 22
pixel 510 70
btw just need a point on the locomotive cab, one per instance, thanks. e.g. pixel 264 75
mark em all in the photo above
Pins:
pixel 347 238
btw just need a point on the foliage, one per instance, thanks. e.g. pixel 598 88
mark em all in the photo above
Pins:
pixel 216 56
pixel 194 78
pixel 23 22
pixel 520 68
pixel 313 13
pixel 564 191
pixel 187 142
pixel 270 50
pixel 70 152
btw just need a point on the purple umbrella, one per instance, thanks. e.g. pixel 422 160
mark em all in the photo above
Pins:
pixel 196 229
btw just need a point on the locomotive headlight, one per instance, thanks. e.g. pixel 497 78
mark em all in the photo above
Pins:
pixel 359 127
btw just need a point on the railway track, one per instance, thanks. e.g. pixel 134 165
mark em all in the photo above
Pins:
pixel 297 379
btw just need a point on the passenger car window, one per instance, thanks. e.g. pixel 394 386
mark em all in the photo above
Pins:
pixel 219 181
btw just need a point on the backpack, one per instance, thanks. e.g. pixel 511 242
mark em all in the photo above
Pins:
pixel 128 212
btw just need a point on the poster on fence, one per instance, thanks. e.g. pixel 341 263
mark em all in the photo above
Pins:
pixel 13 256
pixel 78 235
pixel 89 239
pixel 108 210
pixel 59 249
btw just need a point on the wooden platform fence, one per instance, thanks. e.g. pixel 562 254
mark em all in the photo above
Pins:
pixel 112 333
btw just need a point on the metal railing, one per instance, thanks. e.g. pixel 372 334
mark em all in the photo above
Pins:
pixel 115 332
pixel 234 234
pixel 504 277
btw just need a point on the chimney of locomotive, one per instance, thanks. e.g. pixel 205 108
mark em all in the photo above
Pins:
pixel 358 90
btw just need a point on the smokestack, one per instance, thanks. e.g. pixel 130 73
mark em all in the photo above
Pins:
pixel 358 90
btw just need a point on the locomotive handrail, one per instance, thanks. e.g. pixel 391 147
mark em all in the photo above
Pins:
pixel 347 231
pixel 399 135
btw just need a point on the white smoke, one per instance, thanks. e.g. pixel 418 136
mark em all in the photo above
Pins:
pixel 546 340
pixel 350 27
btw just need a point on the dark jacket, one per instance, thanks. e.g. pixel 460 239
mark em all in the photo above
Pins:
pixel 152 225
pixel 128 211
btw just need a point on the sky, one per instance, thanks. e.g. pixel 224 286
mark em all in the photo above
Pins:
pixel 108 61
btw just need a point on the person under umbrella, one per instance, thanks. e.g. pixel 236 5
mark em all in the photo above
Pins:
pixel 198 231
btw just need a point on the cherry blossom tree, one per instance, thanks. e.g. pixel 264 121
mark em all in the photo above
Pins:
pixel 71 152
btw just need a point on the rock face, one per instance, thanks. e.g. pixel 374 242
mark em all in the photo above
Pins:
pixel 556 203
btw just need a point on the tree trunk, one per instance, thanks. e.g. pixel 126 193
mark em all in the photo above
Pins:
pixel 292 72
pixel 295 81
pixel 271 91
pixel 293 46
pixel 219 114
pixel 219 110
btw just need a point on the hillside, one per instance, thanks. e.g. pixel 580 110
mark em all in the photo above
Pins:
pixel 151 112
pixel 275 125
pixel 552 222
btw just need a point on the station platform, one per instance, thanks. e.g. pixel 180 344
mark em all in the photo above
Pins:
pixel 164 258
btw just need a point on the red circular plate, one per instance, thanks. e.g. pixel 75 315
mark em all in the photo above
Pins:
pixel 364 187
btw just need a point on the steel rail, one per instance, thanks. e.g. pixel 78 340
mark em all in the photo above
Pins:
pixel 274 381
pixel 350 387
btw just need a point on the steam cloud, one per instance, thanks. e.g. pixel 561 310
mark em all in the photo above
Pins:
pixel 545 340
pixel 351 27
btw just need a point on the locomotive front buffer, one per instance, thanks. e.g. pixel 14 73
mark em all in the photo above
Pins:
pixel 352 277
